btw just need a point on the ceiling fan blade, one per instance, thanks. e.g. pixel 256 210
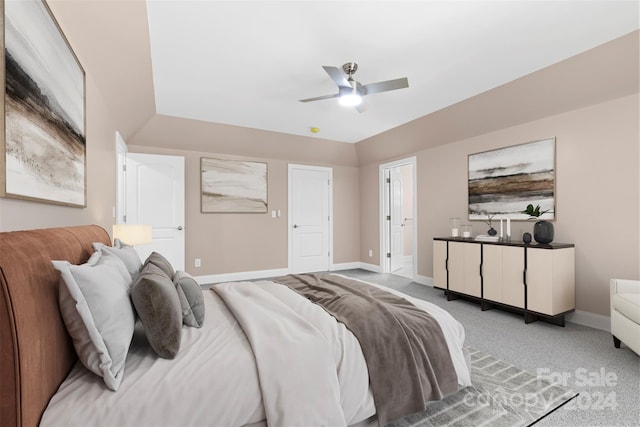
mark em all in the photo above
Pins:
pixel 385 86
pixel 318 98
pixel 337 75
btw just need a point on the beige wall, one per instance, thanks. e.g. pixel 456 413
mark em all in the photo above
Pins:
pixel 231 243
pixel 606 72
pixel 598 157
pixel 195 135
pixel 597 192
pixel 370 214
pixel 108 109
pixel 346 214
pixel 228 243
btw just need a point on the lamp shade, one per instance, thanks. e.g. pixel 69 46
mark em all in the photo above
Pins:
pixel 133 234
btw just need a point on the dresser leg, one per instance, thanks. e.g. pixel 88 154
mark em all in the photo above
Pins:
pixel 616 342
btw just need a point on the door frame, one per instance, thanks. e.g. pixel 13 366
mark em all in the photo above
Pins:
pixel 121 179
pixel 385 244
pixel 329 170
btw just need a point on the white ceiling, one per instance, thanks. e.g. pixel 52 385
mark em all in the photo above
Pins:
pixel 247 63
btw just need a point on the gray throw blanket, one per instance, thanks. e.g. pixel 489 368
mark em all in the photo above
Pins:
pixel 407 356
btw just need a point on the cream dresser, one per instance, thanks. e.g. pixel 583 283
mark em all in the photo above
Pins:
pixel 536 280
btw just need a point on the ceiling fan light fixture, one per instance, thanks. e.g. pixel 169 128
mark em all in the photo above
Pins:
pixel 350 92
pixel 349 97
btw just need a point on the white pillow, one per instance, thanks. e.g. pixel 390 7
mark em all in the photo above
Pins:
pixel 126 253
pixel 97 311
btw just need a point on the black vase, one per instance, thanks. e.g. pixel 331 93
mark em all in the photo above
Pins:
pixel 543 232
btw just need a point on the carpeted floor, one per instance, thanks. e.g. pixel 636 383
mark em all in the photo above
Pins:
pixel 580 358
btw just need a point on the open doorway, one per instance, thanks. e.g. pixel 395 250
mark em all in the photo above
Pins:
pixel 397 220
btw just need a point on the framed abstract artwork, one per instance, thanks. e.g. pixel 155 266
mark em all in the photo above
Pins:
pixel 503 182
pixel 43 140
pixel 232 186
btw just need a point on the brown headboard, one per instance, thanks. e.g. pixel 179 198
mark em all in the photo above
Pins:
pixel 36 353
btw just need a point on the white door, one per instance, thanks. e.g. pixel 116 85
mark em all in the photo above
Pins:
pixel 397 219
pixel 309 218
pixel 155 195
pixel 397 211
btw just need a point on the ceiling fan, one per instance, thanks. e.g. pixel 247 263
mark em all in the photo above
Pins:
pixel 350 92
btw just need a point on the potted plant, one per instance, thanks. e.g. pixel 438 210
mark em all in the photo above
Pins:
pixel 492 231
pixel 542 230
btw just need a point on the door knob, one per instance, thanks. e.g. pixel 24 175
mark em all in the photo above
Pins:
pixel 295 226
pixel 179 228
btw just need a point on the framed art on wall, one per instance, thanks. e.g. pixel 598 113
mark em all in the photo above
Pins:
pixel 233 186
pixel 43 140
pixel 506 180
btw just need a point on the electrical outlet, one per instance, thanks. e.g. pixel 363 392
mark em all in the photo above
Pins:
pixel 198 263
pixel 370 253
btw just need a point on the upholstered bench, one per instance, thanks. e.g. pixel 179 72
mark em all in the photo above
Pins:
pixel 625 313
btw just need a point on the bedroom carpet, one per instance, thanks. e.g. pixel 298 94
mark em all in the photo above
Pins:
pixel 581 358
pixel 502 396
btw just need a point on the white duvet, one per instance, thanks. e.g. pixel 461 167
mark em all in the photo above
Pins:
pixel 215 380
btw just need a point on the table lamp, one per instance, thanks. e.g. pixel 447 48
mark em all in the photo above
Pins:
pixel 133 234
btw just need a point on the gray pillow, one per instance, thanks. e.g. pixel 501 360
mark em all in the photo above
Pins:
pixel 97 311
pixel 156 301
pixel 126 253
pixel 161 262
pixel 191 299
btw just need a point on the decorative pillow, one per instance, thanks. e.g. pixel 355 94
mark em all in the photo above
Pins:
pixel 191 299
pixel 97 311
pixel 161 262
pixel 156 301
pixel 126 253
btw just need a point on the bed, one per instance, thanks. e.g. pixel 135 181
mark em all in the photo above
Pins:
pixel 215 378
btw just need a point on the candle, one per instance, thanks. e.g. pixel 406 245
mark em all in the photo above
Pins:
pixel 466 234
pixel 508 227
pixel 455 226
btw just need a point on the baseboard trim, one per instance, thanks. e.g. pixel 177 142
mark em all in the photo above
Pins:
pixel 236 277
pixel 370 267
pixel 592 320
pixel 346 266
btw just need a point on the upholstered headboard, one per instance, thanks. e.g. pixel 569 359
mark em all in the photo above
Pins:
pixel 36 353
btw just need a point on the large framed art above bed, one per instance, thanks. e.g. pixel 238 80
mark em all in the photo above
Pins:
pixel 43 140
pixel 296 350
